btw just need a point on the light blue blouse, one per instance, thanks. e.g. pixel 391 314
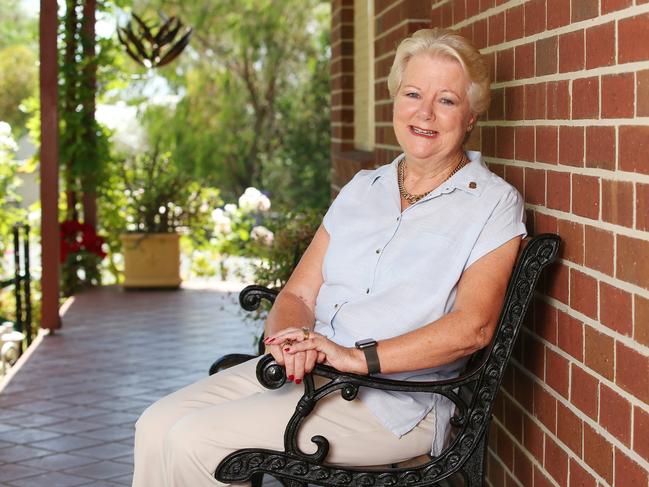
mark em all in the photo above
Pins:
pixel 388 272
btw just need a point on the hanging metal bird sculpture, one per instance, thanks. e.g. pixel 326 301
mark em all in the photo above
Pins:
pixel 153 45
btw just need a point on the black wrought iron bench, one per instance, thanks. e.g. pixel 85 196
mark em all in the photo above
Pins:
pixel 473 393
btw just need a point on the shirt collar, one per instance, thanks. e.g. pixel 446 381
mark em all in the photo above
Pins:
pixel 471 178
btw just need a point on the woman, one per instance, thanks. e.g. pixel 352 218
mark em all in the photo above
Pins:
pixel 410 264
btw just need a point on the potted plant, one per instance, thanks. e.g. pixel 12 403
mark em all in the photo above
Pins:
pixel 161 201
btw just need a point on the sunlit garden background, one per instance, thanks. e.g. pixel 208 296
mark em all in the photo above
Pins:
pixel 221 136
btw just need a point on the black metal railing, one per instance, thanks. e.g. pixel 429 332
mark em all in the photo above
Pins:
pixel 21 282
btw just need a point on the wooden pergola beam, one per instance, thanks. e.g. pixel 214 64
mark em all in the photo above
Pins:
pixel 49 170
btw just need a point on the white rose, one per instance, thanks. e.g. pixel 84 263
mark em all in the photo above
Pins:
pixel 264 203
pixel 262 235
pixel 222 222
pixel 230 208
pixel 248 200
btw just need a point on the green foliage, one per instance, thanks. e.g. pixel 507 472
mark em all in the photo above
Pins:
pixel 293 233
pixel 17 83
pixel 254 87
pixel 239 230
pixel 10 213
pixel 16 25
pixel 149 193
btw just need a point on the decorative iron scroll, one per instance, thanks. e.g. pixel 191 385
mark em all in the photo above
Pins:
pixel 473 394
pixel 250 297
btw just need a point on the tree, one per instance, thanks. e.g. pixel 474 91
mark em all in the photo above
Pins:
pixel 17 26
pixel 249 57
pixel 17 84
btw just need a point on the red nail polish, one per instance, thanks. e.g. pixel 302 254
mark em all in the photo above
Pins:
pixel 287 349
pixel 298 381
pixel 290 378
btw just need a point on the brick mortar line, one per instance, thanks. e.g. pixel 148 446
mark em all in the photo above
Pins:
pixel 341 73
pixel 487 13
pixel 398 26
pixel 584 417
pixel 534 460
pixel 342 7
pixel 341 24
pixel 598 326
pixel 565 122
pixel 634 401
pixel 385 55
pixel 544 122
pixel 506 468
pixel 615 69
pixel 618 229
pixel 609 175
pixel 388 147
pixel 564 29
pixel 563 446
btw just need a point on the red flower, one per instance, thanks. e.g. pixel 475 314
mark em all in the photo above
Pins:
pixel 63 252
pixel 77 237
pixel 70 227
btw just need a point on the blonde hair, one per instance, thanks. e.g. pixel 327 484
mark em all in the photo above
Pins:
pixel 447 43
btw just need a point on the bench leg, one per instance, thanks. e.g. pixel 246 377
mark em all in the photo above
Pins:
pixel 474 468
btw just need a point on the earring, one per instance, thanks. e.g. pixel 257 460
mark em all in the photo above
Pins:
pixel 469 128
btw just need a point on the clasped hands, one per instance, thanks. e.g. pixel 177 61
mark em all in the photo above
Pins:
pixel 299 349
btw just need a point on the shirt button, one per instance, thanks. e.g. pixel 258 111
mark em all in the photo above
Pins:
pixel 398 218
pixel 367 291
pixel 378 251
pixel 335 305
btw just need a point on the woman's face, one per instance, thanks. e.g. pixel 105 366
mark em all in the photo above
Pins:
pixel 431 108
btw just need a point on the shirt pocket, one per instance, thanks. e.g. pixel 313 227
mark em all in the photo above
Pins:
pixel 328 304
pixel 421 253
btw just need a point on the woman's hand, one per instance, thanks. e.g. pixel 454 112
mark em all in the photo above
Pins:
pixel 295 342
pixel 296 364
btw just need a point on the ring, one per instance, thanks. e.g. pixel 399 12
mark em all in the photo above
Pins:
pixel 306 333
pixel 288 342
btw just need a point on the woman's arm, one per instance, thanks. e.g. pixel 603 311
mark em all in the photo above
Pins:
pixel 295 304
pixel 466 329
pixel 294 308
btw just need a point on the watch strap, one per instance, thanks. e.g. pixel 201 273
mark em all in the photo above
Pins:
pixel 372 359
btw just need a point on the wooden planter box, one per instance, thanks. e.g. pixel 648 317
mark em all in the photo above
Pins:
pixel 151 260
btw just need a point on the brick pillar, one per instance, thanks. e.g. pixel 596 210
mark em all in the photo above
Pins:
pixel 394 20
pixel 342 82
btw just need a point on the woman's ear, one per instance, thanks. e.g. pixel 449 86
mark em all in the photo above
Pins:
pixel 471 123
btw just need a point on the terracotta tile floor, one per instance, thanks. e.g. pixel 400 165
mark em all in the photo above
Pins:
pixel 66 417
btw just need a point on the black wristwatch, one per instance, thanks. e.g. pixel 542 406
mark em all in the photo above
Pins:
pixel 368 346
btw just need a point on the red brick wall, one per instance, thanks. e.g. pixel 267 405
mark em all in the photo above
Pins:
pixel 569 127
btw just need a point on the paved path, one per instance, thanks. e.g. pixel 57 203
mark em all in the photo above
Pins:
pixel 66 417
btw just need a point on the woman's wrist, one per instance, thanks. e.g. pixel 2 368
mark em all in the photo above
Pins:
pixel 359 361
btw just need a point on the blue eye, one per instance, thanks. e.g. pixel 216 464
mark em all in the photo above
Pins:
pixel 412 94
pixel 447 101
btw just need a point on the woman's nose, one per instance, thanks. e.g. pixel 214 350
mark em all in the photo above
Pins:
pixel 426 111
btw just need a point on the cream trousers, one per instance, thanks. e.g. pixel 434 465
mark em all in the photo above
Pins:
pixel 180 439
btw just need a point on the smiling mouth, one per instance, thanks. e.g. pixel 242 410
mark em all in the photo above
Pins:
pixel 422 132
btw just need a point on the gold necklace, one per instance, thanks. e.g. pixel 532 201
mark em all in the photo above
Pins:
pixel 413 198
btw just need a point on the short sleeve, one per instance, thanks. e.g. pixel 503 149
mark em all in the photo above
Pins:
pixel 506 221
pixel 332 217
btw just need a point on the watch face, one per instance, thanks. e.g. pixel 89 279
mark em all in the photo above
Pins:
pixel 367 342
